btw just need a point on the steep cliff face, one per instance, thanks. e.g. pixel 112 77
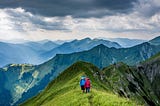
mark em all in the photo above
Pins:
pixel 141 81
pixel 17 79
pixel 129 82
pixel 151 68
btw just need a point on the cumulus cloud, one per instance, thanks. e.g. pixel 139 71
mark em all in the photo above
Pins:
pixel 21 20
pixel 105 18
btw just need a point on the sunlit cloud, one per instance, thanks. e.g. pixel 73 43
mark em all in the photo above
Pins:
pixel 19 23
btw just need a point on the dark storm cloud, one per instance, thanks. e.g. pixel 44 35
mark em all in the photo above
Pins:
pixel 147 8
pixel 76 8
pixel 20 19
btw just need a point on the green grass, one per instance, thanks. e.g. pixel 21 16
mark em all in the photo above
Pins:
pixel 95 98
pixel 65 90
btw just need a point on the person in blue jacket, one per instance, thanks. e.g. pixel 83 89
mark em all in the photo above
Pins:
pixel 82 83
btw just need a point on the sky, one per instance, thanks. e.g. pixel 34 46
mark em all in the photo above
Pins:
pixel 77 19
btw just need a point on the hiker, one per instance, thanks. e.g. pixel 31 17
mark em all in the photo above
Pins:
pixel 82 83
pixel 87 85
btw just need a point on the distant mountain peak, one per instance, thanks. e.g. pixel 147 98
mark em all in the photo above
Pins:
pixel 43 41
pixel 126 42
pixel 101 46
pixel 156 38
pixel 87 38
pixel 155 41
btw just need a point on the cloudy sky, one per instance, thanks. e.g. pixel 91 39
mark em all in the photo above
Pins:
pixel 76 19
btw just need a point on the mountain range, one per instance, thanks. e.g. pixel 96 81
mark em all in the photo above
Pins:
pixel 79 45
pixel 23 53
pixel 40 51
pixel 125 42
pixel 28 80
pixel 128 82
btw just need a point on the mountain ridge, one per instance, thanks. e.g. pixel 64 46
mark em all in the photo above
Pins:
pixel 101 56
pixel 129 82
pixel 155 41
pixel 28 52
pixel 37 52
pixel 41 51
pixel 59 87
pixel 78 46
pixel 125 42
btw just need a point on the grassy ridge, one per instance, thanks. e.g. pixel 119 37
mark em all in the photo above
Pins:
pixel 65 90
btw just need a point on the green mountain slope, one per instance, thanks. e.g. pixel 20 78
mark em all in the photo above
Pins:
pixel 151 68
pixel 65 90
pixel 101 56
pixel 130 82
pixel 39 76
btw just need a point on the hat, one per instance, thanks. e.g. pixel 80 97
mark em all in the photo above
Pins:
pixel 83 77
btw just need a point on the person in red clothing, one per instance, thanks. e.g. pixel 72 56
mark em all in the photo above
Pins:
pixel 87 85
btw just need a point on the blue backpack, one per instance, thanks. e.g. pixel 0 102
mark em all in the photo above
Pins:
pixel 82 82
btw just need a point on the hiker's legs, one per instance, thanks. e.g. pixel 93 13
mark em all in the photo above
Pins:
pixel 83 89
pixel 87 90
